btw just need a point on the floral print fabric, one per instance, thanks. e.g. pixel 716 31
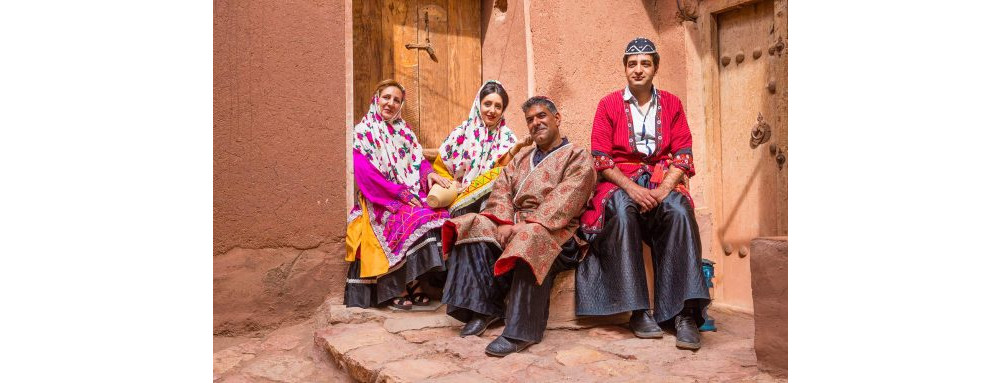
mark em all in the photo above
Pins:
pixel 391 147
pixel 473 149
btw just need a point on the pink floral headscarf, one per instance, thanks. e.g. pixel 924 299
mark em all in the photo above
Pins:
pixel 472 149
pixel 391 148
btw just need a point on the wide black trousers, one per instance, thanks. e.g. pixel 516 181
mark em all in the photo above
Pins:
pixel 612 278
pixel 423 260
pixel 472 288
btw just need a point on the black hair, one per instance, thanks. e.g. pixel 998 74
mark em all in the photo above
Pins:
pixel 656 59
pixel 539 100
pixel 494 87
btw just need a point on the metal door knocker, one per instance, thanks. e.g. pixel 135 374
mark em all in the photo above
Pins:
pixel 761 132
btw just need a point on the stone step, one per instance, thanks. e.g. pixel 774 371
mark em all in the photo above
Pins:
pixel 375 345
pixel 287 355
pixel 562 307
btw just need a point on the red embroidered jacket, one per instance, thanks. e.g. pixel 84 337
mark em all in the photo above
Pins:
pixel 612 144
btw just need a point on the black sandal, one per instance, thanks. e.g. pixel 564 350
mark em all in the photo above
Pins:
pixel 417 299
pixel 398 303
pixel 420 299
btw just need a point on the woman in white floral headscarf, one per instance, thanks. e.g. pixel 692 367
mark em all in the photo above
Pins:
pixel 393 237
pixel 476 150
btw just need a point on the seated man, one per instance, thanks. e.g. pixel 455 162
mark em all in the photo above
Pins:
pixel 523 237
pixel 642 148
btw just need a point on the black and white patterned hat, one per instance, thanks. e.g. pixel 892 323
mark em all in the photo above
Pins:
pixel 640 46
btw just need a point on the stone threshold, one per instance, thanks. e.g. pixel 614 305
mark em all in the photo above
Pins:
pixel 380 345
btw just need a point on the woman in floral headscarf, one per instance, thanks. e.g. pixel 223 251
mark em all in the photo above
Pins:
pixel 476 151
pixel 393 237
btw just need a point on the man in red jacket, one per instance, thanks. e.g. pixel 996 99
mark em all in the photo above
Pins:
pixel 642 152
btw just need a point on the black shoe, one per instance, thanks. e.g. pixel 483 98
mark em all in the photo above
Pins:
pixel 477 325
pixel 687 331
pixel 502 346
pixel 643 325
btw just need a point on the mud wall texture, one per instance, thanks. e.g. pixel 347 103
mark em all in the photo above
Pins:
pixel 575 53
pixel 279 182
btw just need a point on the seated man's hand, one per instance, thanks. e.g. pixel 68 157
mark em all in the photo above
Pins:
pixel 674 178
pixel 660 193
pixel 643 197
pixel 514 229
pixel 525 142
pixel 503 234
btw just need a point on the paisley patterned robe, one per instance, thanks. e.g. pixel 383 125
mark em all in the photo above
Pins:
pixel 547 198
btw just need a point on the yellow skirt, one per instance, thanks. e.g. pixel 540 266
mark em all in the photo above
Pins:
pixel 363 245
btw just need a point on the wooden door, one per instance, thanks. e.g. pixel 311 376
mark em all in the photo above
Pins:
pixel 752 67
pixel 432 47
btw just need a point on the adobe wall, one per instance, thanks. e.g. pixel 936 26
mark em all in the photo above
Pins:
pixel 279 197
pixel 576 61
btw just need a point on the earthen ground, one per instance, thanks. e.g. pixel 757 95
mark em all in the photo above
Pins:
pixel 377 345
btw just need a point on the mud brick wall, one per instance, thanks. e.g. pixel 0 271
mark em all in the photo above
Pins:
pixel 279 183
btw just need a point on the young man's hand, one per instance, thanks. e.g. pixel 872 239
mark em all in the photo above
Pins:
pixel 645 198
pixel 660 193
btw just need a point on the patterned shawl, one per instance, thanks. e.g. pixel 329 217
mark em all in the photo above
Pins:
pixel 472 149
pixel 392 148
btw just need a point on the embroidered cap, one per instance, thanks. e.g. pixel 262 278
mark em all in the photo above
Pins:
pixel 640 46
pixel 546 98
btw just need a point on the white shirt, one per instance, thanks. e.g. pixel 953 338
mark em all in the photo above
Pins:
pixel 643 125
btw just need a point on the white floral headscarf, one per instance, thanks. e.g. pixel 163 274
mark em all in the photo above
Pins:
pixel 472 149
pixel 392 148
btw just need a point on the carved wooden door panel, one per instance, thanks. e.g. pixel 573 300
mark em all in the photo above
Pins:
pixel 432 47
pixel 753 113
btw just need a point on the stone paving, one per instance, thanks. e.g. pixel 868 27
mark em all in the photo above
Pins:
pixel 286 355
pixel 380 345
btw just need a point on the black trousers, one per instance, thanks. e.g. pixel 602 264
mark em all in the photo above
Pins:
pixel 472 288
pixel 612 279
